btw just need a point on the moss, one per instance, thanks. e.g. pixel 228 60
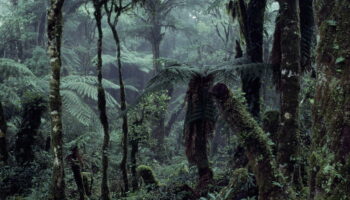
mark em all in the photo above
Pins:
pixel 256 142
pixel 331 135
pixel 146 173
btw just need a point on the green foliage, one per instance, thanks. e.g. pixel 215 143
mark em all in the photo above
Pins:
pixel 143 117
pixel 86 86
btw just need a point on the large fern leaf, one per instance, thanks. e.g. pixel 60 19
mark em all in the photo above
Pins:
pixel 76 107
pixel 11 68
pixel 86 86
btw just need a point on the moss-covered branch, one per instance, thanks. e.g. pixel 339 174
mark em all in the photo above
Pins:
pixel 257 144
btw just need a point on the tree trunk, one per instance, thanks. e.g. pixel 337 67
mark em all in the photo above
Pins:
pixel 76 163
pixel 134 150
pixel 3 143
pixel 54 32
pixel 199 126
pixel 331 128
pixel 102 102
pixel 123 163
pixel 289 138
pixel 256 143
pixel 254 27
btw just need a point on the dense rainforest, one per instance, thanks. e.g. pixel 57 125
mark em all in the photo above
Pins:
pixel 175 99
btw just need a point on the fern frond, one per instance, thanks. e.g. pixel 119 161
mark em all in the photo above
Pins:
pixel 76 107
pixel 8 95
pixel 91 80
pixel 166 79
pixel 171 76
pixel 86 86
pixel 229 73
pixel 11 68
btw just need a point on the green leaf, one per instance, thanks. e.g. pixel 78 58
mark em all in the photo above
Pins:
pixel 339 60
pixel 331 22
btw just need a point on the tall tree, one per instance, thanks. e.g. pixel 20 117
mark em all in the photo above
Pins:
pixel 290 86
pixel 117 7
pixel 157 12
pixel 3 144
pixel 54 32
pixel 331 113
pixel 251 20
pixel 98 4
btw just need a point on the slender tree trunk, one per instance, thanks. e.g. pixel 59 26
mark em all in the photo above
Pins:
pixel 289 138
pixel 54 32
pixel 134 151
pixel 102 101
pixel 18 42
pixel 41 29
pixel 125 118
pixel 3 143
pixel 256 143
pixel 76 163
pixel 123 163
pixel 331 113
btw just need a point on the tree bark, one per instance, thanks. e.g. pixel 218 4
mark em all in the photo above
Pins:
pixel 289 136
pixel 123 163
pixel 134 151
pixel 256 143
pixel 251 20
pixel 102 101
pixel 3 143
pixel 54 31
pixel 75 161
pixel 199 126
pixel 331 113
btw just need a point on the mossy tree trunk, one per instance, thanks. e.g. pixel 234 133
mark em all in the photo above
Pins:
pixel 117 7
pixel 331 128
pixel 199 126
pixel 54 32
pixel 102 100
pixel 256 143
pixel 290 71
pixel 3 143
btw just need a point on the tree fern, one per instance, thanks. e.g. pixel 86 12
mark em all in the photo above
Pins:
pixel 86 86
pixel 11 68
pixel 76 107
